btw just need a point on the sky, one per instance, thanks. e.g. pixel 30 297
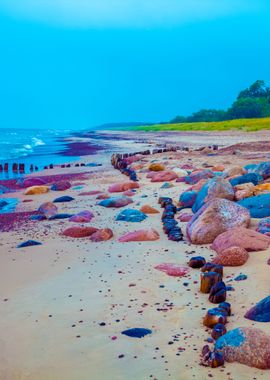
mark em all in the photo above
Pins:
pixel 75 64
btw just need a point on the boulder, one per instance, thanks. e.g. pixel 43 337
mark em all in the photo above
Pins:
pixel 197 187
pixel 130 215
pixel 264 226
pixel 214 188
pixel 175 270
pixel 241 237
pixel 244 191
pixel 102 235
pixel 61 186
pixel 262 169
pixel 140 235
pixel 115 202
pixel 33 190
pixel 187 199
pixel 156 167
pixel 232 257
pixel 82 217
pixel 258 206
pixel 65 198
pixel 33 181
pixel 197 176
pixel 164 176
pixel 263 188
pixel 48 209
pixel 246 178
pixel 185 217
pixel 245 345
pixel 214 218
pixel 120 187
pixel 218 168
pixel 146 209
pixel 79 231
pixel 260 312
pixel 235 171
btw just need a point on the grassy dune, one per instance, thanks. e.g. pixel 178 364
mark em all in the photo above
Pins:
pixel 248 125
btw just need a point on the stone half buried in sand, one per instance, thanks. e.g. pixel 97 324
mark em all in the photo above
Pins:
pixel 82 217
pixel 174 270
pixel 245 345
pixel 214 188
pixel 136 332
pixel 63 199
pixel 140 235
pixel 28 243
pixel 130 215
pixel 164 176
pixel 214 218
pixel 258 206
pixel 121 187
pixel 146 209
pixel 115 202
pixel 33 190
pixel 79 231
pixel 33 181
pixel 232 257
pixel 241 237
pixel 61 186
pixel 260 312
pixel 102 235
pixel 48 209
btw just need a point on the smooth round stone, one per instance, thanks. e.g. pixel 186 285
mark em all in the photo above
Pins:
pixel 63 199
pixel 197 262
pixel 130 215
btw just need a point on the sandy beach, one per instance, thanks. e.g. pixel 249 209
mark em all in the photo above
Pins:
pixel 64 304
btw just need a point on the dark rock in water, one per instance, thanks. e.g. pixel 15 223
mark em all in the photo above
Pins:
pixel 28 243
pixel 130 215
pixel 136 332
pixel 245 345
pixel 264 226
pixel 246 178
pixel 260 312
pixel 197 262
pixel 214 188
pixel 258 206
pixel 241 277
pixel 60 216
pixel 38 217
pixel 65 198
pixel 187 199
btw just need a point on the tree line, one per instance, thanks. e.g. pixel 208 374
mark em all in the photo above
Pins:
pixel 253 102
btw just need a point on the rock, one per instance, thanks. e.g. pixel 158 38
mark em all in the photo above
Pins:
pixel 28 243
pixel 156 167
pixel 218 293
pixel 210 267
pixel 102 235
pixel 174 270
pixel 214 188
pixel 48 209
pixel 215 316
pixel 264 226
pixel 65 198
pixel 232 257
pixel 241 277
pixel 218 168
pixel 244 191
pixel 146 209
pixel 185 217
pixel 208 280
pixel 129 193
pixel 60 216
pixel 136 332
pixel 164 176
pixel 166 185
pixel 214 218
pixel 82 217
pixel 246 178
pixel 180 172
pixel 260 312
pixel 115 202
pixel 197 176
pixel 218 330
pixel 33 181
pixel 187 199
pixel 140 235
pixel 197 187
pixel 259 205
pixel 263 188
pixel 120 187
pixel 262 169
pixel 38 217
pixel 79 232
pixel 241 237
pixel 130 215
pixel 197 262
pixel 103 196
pixel 235 171
pixel 61 186
pixel 33 190
pixel 245 345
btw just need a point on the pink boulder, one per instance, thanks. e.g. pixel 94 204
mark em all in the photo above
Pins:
pixel 82 217
pixel 140 235
pixel 185 217
pixel 48 209
pixel 174 270
pixel 79 232
pixel 241 237
pixel 164 176
pixel 102 235
pixel 33 181
pixel 214 218
pixel 120 187
pixel 61 186
pixel 232 257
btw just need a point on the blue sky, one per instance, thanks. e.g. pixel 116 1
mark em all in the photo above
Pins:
pixel 78 63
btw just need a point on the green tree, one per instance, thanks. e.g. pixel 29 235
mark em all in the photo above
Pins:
pixel 207 115
pixel 245 108
pixel 257 90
